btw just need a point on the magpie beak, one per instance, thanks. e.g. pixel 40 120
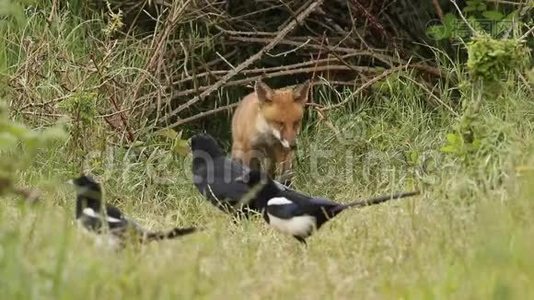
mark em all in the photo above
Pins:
pixel 94 216
pixel 220 179
pixel 299 215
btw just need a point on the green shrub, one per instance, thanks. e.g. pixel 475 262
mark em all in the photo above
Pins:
pixel 491 59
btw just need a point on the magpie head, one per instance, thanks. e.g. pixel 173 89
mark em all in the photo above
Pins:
pixel 205 145
pixel 86 186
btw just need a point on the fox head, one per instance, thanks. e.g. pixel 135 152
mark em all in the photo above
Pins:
pixel 283 110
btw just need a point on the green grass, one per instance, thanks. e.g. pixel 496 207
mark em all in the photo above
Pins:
pixel 469 236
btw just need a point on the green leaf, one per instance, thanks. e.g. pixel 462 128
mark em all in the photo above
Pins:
pixel 414 156
pixel 453 138
pixel 168 133
pixel 493 15
pixel 468 9
pixel 438 32
pixel 471 5
pixel 448 149
pixel 450 21
pixel 181 147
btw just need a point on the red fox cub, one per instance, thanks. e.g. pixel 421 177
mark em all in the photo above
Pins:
pixel 265 128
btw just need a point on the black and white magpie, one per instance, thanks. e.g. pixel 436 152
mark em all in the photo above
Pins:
pixel 98 217
pixel 296 214
pixel 215 176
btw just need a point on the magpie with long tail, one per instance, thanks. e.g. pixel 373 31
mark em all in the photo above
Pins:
pixel 218 178
pixel 95 216
pixel 299 215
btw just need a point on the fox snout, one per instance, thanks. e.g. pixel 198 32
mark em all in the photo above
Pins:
pixel 293 146
pixel 287 144
pixel 288 141
pixel 292 141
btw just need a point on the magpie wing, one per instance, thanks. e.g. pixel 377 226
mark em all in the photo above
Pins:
pixel 285 211
pixel 220 170
pixel 93 220
pixel 115 218
pixel 90 220
pixel 306 201
pixel 217 182
pixel 319 207
pixel 323 202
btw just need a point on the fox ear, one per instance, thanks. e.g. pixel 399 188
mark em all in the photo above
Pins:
pixel 263 92
pixel 301 91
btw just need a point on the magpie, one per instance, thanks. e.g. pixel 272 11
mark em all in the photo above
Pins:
pixel 98 217
pixel 214 175
pixel 296 214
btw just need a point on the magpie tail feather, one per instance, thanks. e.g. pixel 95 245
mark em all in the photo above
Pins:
pixel 171 234
pixel 376 200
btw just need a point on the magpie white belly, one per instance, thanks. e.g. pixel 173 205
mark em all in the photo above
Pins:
pixel 301 226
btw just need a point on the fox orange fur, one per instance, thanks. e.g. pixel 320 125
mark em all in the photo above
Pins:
pixel 265 126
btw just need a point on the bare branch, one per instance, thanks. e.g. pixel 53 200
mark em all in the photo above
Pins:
pixel 247 62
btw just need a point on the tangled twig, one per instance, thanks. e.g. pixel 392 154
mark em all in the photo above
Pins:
pixel 290 26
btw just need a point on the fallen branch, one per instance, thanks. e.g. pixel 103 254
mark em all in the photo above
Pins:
pixel 290 26
pixel 205 114
pixel 373 21
pixel 387 59
pixel 276 74
pixel 439 11
pixel 274 69
pixel 382 57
